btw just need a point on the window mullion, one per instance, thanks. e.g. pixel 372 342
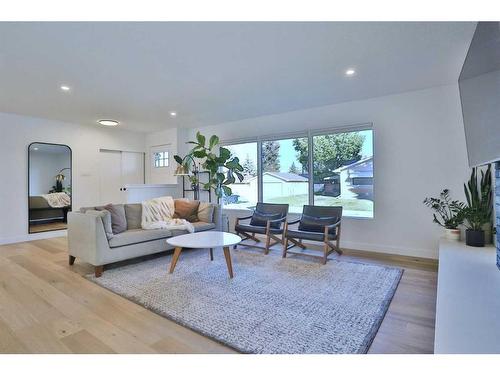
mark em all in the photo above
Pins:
pixel 259 172
pixel 310 164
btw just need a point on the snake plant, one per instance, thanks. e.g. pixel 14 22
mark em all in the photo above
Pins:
pixel 479 207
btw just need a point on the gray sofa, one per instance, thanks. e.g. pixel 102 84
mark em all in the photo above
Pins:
pixel 89 242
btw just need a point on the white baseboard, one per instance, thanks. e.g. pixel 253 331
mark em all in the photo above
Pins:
pixel 32 237
pixel 386 249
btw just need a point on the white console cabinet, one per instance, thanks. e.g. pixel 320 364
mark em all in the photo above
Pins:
pixel 468 300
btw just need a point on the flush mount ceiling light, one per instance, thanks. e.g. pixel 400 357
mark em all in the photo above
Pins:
pixel 350 72
pixel 108 122
pixel 173 114
pixel 65 88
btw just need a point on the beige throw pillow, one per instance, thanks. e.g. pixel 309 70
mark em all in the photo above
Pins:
pixel 206 212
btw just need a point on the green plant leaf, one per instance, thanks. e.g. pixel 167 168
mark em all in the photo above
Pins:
pixel 224 154
pixel 214 141
pixel 178 159
pixel 199 154
pixel 227 190
pixel 200 138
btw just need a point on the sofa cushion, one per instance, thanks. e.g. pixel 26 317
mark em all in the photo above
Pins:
pixel 201 226
pixel 133 214
pixel 134 236
pixel 206 212
pixel 186 209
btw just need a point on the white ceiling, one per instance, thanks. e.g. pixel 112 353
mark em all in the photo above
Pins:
pixel 215 72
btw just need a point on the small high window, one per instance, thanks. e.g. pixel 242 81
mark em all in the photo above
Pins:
pixel 160 159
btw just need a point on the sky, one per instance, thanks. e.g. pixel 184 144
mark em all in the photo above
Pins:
pixel 287 154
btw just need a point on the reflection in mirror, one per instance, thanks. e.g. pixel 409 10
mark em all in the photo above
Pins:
pixel 49 186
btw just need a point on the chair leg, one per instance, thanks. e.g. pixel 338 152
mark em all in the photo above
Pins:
pixel 285 247
pixel 211 254
pixel 71 260
pixel 268 241
pixel 325 254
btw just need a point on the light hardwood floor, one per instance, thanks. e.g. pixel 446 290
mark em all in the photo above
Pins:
pixel 46 306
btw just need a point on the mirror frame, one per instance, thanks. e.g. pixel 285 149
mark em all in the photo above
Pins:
pixel 70 174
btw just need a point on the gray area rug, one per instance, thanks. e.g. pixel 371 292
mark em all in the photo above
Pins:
pixel 272 305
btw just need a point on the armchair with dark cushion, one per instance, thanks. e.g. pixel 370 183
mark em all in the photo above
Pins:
pixel 317 223
pixel 268 219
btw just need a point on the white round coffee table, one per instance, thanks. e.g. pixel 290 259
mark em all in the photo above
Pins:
pixel 203 240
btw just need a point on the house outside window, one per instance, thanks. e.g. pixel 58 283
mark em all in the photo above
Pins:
pixel 278 170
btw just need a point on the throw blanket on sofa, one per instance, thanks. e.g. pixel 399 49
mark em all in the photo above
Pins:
pixel 57 200
pixel 158 213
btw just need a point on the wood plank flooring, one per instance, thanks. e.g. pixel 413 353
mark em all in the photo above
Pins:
pixel 47 306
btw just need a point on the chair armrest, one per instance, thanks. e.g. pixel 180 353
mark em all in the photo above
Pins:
pixel 293 221
pixel 277 220
pixel 242 218
pixel 331 226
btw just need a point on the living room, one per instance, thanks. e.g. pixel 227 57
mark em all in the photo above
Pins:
pixel 284 187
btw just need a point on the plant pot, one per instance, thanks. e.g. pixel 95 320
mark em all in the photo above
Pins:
pixel 452 234
pixel 474 238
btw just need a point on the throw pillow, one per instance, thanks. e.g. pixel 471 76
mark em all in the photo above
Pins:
pixel 206 212
pixel 186 209
pixel 118 218
pixel 317 224
pixel 105 216
pixel 260 219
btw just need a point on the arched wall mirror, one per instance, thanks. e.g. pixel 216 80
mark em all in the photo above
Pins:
pixel 49 186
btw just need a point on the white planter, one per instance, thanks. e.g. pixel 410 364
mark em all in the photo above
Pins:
pixel 452 234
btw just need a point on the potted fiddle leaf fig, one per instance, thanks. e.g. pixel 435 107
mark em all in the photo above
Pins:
pixel 479 208
pixel 448 213
pixel 223 168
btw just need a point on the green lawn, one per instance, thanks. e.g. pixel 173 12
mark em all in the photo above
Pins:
pixel 354 207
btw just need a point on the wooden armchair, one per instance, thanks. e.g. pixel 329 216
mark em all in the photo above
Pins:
pixel 317 223
pixel 268 219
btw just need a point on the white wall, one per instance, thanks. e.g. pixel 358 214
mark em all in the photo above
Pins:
pixel 419 149
pixel 17 132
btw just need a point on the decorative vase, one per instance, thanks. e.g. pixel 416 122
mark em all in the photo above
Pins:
pixel 474 238
pixel 452 234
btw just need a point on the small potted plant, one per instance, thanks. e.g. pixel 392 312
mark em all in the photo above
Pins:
pixel 479 208
pixel 448 213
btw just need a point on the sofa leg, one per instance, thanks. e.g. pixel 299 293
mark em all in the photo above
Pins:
pixel 98 271
pixel 71 260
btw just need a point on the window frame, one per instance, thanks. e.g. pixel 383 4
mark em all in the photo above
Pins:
pixel 166 159
pixel 309 134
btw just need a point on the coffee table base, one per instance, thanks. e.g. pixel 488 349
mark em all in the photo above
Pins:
pixel 227 255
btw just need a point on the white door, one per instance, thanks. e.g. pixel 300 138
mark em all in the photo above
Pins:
pixel 116 169
pixel 162 165
pixel 132 168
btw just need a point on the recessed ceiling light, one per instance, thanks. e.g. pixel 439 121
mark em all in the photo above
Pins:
pixel 65 88
pixel 173 114
pixel 350 72
pixel 108 122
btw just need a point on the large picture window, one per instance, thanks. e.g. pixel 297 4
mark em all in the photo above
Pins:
pixel 337 171
pixel 343 171
pixel 284 172
pixel 244 193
